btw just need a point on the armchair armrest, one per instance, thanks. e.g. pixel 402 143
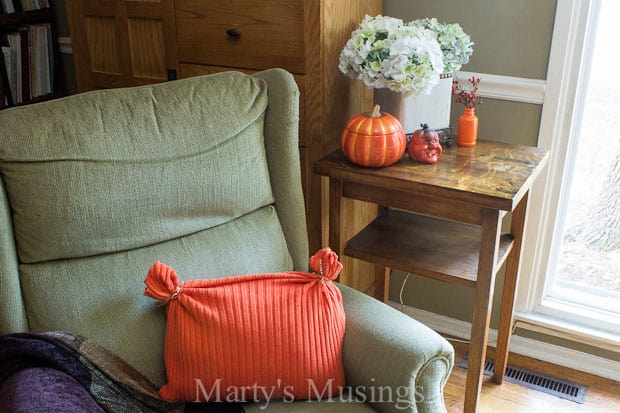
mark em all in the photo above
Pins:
pixel 395 362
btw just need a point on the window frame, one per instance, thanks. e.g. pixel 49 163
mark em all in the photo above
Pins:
pixel 573 33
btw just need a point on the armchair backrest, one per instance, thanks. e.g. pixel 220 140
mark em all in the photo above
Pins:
pixel 200 173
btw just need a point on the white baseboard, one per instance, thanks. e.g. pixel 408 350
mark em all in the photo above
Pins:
pixel 551 353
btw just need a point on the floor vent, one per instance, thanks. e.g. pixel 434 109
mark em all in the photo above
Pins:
pixel 561 388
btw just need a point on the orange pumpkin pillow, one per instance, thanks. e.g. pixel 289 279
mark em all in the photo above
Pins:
pixel 253 337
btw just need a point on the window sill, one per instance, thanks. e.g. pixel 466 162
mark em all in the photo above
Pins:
pixel 556 327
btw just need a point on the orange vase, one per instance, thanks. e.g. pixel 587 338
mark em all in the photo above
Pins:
pixel 468 128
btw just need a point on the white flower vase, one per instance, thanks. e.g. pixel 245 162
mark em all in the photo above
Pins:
pixel 432 109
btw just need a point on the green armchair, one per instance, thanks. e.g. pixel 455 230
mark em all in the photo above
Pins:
pixel 203 174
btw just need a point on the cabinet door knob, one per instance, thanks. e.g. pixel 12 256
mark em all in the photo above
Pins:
pixel 234 33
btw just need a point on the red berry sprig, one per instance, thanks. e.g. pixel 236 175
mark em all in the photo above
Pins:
pixel 469 98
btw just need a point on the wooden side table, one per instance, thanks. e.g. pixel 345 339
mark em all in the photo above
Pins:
pixel 454 233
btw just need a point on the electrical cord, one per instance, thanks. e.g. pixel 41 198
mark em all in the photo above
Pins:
pixel 400 295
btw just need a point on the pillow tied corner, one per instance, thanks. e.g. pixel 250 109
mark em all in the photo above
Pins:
pixel 162 283
pixel 325 263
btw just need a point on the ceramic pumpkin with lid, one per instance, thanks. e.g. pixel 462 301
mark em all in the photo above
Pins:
pixel 373 139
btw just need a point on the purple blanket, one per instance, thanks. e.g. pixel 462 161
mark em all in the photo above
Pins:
pixel 60 372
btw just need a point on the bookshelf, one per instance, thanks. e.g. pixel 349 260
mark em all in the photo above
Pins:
pixel 47 64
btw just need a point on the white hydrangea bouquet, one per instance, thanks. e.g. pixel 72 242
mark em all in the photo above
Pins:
pixel 456 45
pixel 384 52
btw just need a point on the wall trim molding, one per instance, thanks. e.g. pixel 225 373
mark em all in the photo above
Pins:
pixel 551 353
pixel 65 45
pixel 517 89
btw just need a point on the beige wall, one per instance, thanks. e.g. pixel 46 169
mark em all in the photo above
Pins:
pixel 512 37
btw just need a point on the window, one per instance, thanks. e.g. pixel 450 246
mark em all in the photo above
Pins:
pixel 571 274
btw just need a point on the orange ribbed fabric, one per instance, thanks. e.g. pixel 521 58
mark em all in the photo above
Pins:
pixel 253 337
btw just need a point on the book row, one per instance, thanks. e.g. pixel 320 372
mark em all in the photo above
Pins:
pixel 16 6
pixel 26 64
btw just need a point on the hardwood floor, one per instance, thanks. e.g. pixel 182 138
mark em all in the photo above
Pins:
pixel 603 395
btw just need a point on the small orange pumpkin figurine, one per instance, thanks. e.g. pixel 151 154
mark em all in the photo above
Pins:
pixel 373 140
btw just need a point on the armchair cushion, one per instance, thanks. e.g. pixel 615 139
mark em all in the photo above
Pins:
pixel 142 160
pixel 253 337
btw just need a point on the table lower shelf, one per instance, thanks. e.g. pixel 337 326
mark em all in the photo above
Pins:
pixel 435 248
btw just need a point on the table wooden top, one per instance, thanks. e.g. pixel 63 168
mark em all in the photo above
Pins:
pixel 489 174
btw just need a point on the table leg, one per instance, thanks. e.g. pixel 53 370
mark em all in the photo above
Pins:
pixel 506 319
pixel 336 220
pixel 382 274
pixel 483 295
pixel 382 283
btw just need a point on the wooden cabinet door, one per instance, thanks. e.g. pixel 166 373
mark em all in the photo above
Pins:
pixel 121 42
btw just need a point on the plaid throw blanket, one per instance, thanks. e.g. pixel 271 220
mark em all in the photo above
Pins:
pixel 58 371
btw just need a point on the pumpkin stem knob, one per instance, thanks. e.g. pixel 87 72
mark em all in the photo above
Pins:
pixel 376 112
pixel 424 126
